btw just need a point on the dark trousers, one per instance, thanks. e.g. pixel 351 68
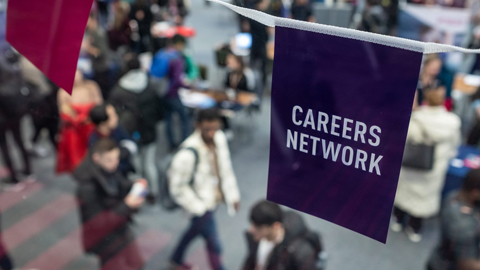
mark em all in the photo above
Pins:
pixel 206 227
pixel 175 106
pixel 413 222
pixel 474 135
pixel 49 123
pixel 14 126
pixel 259 59
pixel 5 262
pixel 102 78
pixel 103 8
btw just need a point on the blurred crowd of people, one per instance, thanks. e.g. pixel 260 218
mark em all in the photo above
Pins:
pixel 101 133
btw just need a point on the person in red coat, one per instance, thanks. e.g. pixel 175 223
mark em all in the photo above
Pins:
pixel 75 126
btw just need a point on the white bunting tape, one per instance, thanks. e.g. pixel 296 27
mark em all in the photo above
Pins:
pixel 402 43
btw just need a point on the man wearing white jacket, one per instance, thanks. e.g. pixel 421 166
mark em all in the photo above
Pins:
pixel 205 157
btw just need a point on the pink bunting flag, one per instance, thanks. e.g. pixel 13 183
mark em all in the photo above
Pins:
pixel 49 33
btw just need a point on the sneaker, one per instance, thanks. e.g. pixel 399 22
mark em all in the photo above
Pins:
pixel 30 179
pixel 39 151
pixel 14 187
pixel 395 226
pixel 412 235
pixel 27 178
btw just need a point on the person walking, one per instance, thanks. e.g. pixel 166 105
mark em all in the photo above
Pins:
pixel 13 106
pixel 206 157
pixel 170 63
pixel 107 206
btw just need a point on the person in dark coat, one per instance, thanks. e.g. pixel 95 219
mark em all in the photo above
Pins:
pixel 136 100
pixel 140 13
pixel 105 119
pixel 139 108
pixel 280 240
pixel 43 105
pixel 107 206
pixel 13 106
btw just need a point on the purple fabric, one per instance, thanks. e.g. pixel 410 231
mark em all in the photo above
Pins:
pixel 365 82
pixel 175 72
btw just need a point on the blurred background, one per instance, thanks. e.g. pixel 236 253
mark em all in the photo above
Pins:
pixel 226 64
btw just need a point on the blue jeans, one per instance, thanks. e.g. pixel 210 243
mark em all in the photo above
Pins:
pixel 206 227
pixel 175 105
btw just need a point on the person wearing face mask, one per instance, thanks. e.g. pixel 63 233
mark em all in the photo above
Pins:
pixel 107 205
pixel 459 247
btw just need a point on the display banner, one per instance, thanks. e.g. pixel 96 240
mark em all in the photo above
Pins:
pixel 49 33
pixel 340 115
pixel 341 105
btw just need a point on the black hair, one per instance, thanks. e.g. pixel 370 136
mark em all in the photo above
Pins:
pixel 266 213
pixel 133 62
pixel 176 39
pixel 104 145
pixel 208 115
pixel 99 114
pixel 472 181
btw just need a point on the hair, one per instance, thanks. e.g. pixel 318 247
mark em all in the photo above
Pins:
pixel 472 181
pixel 99 114
pixel 266 213
pixel 434 95
pixel 104 145
pixel 131 61
pixel 177 39
pixel 239 59
pixel 121 15
pixel 430 58
pixel 208 115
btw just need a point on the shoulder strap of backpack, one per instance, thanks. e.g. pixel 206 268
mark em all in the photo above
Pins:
pixel 195 153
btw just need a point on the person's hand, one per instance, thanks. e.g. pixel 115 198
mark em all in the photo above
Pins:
pixel 134 202
pixel 236 205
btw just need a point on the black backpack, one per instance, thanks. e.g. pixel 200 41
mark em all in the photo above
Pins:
pixel 165 198
pixel 313 239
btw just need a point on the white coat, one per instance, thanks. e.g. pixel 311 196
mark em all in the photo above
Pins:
pixel 200 197
pixel 419 192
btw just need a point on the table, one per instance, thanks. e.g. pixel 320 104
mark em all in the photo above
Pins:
pixel 209 98
pixel 455 175
pixel 467 84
